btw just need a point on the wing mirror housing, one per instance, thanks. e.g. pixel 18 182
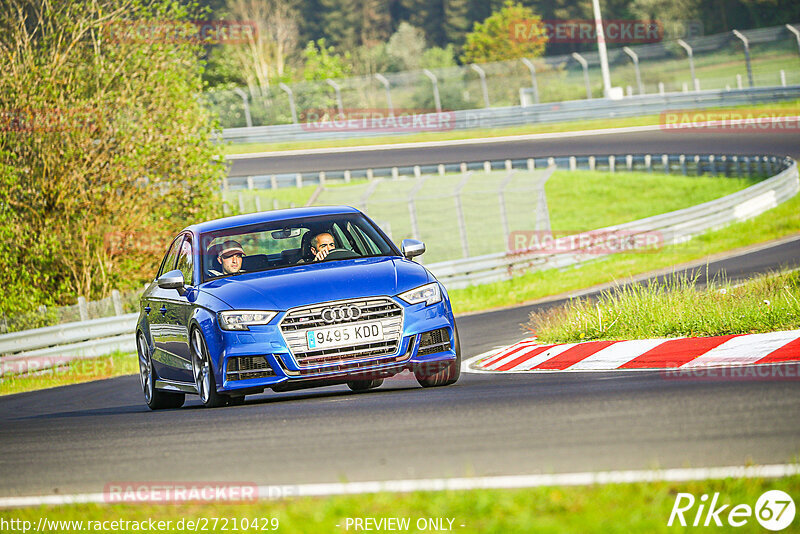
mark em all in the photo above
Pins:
pixel 412 248
pixel 172 280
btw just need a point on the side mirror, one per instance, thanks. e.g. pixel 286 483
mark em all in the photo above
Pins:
pixel 172 280
pixel 412 247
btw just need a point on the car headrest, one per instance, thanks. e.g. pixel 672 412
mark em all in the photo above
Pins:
pixel 256 262
pixel 305 246
pixel 290 256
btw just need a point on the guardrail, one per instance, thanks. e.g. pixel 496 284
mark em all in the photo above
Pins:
pixel 29 351
pixel 43 348
pixel 630 106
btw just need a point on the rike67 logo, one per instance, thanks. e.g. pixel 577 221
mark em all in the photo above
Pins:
pixel 774 510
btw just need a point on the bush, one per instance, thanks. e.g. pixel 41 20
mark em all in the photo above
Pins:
pixel 106 149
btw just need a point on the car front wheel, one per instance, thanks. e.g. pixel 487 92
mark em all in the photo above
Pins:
pixel 155 399
pixel 204 373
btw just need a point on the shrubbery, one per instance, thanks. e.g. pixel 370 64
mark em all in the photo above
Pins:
pixel 105 147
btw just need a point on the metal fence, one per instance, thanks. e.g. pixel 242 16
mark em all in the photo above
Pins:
pixel 722 61
pixel 457 215
pixel 573 110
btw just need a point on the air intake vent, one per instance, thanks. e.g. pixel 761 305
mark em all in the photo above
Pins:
pixel 244 367
pixel 433 341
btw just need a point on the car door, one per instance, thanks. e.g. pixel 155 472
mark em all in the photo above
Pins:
pixel 179 311
pixel 167 364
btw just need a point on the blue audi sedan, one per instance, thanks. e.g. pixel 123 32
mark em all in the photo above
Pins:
pixel 290 299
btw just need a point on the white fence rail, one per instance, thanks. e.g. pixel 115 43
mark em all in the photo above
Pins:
pixel 44 348
pixel 502 117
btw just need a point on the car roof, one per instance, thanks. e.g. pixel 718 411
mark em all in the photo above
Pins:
pixel 268 216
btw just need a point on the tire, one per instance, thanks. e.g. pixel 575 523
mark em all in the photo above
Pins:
pixel 364 385
pixel 448 375
pixel 155 399
pixel 203 373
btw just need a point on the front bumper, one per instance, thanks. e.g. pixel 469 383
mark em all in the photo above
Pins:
pixel 414 351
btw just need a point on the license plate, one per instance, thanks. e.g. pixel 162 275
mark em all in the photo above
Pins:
pixel 340 336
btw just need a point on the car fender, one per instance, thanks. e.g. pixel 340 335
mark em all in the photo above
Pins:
pixel 206 321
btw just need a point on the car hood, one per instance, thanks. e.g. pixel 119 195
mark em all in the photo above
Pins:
pixel 304 284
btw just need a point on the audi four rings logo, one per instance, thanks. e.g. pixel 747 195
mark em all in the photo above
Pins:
pixel 341 313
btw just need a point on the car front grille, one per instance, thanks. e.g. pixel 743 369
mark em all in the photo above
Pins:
pixel 433 341
pixel 244 367
pixel 298 321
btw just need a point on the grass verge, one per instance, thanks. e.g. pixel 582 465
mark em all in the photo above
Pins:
pixel 676 308
pixel 75 372
pixel 790 108
pixel 611 508
pixel 778 222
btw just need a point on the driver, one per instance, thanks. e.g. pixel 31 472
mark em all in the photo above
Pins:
pixel 321 245
pixel 230 257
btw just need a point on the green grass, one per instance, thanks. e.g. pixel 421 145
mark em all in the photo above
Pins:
pixel 790 107
pixel 778 222
pixel 611 508
pixel 269 199
pixel 588 200
pixel 676 308
pixel 75 372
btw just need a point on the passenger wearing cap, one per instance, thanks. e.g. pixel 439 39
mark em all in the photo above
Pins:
pixel 230 257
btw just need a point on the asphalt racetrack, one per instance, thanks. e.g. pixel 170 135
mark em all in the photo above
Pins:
pixel 79 438
pixel 647 142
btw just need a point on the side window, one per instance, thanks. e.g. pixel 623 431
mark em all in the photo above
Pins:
pixel 169 259
pixel 186 260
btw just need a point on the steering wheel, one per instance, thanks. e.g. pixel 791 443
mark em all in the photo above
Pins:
pixel 341 254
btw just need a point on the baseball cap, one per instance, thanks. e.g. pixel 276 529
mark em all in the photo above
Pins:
pixel 229 248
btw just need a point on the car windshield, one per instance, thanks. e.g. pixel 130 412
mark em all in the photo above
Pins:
pixel 289 242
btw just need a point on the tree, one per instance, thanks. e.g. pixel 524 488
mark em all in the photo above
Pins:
pixel 456 22
pixel 348 24
pixel 436 58
pixel 262 58
pixel 512 32
pixel 105 147
pixel 672 14
pixel 407 45
pixel 322 62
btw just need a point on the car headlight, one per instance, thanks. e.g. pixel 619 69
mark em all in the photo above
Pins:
pixel 429 294
pixel 240 320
